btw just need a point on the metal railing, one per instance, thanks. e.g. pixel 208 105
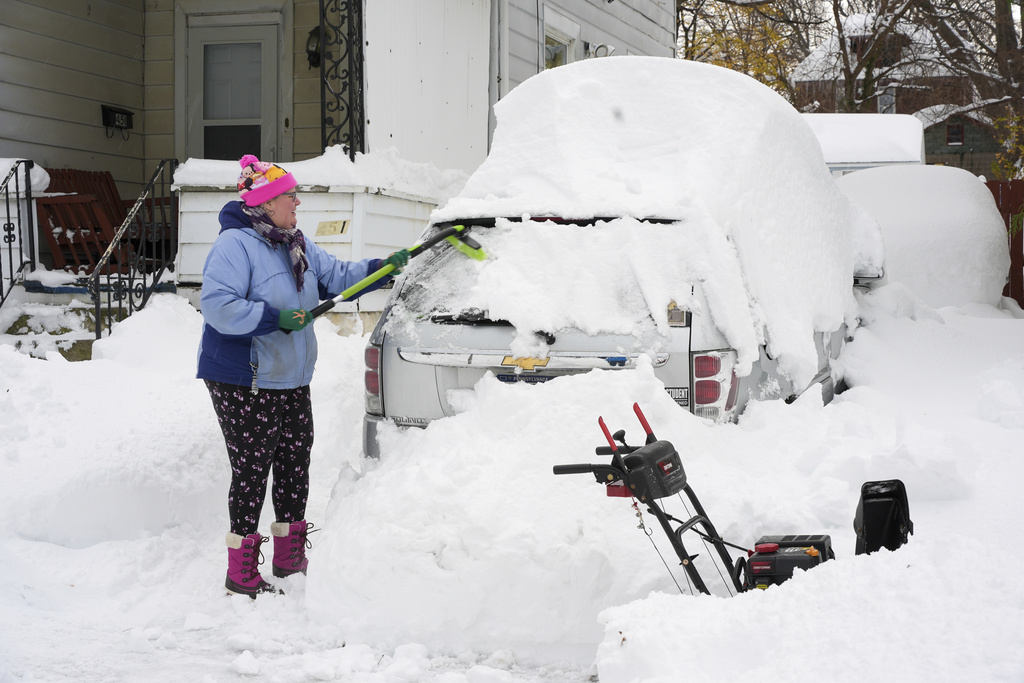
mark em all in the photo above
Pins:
pixel 18 227
pixel 341 75
pixel 143 249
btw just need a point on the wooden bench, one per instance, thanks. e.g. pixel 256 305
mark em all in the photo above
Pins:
pixel 80 224
pixel 100 184
pixel 78 231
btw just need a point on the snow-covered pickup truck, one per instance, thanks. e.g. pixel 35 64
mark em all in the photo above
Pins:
pixel 633 211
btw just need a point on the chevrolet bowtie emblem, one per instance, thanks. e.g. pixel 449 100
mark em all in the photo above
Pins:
pixel 526 363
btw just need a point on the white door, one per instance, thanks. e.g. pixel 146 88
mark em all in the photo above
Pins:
pixel 232 92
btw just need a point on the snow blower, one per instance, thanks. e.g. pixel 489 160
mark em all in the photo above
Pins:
pixel 655 471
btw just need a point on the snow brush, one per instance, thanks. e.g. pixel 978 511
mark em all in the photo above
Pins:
pixel 456 235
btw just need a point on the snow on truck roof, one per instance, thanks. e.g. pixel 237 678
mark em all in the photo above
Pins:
pixel 643 137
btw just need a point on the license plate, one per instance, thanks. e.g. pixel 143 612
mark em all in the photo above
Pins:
pixel 680 395
pixel 511 377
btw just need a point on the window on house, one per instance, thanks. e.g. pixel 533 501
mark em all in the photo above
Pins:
pixel 561 36
pixel 556 53
pixel 887 100
pixel 954 134
pixel 892 49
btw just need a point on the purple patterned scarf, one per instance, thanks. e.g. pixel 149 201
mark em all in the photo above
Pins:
pixel 294 239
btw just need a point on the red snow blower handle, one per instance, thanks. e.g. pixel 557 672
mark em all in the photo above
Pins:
pixel 643 423
pixel 608 435
pixel 616 458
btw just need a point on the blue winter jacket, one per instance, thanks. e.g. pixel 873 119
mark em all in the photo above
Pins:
pixel 247 282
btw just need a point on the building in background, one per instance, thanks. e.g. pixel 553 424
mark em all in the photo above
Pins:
pixel 958 132
pixel 117 85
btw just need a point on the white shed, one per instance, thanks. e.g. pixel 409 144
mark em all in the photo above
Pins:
pixel 851 142
pixel 354 210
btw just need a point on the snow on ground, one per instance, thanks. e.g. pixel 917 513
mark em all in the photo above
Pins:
pixel 460 557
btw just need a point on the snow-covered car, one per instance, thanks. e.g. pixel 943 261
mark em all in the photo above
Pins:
pixel 633 210
pixel 944 237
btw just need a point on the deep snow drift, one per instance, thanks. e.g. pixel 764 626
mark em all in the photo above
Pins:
pixel 460 557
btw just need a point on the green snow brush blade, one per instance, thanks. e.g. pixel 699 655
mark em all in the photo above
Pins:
pixel 461 243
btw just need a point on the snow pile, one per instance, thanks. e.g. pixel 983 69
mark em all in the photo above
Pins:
pixel 608 278
pixel 887 611
pixel 461 538
pixel 481 546
pixel 460 558
pixel 665 138
pixel 38 176
pixel 384 169
pixel 118 486
pixel 944 237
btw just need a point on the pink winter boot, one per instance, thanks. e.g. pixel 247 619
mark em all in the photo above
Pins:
pixel 243 566
pixel 290 545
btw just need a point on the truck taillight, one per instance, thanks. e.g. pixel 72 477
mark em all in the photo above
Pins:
pixel 371 380
pixel 715 385
pixel 706 366
pixel 707 391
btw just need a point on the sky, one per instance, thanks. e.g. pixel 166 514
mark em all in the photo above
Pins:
pixel 458 556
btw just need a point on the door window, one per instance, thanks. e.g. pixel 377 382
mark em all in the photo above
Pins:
pixel 233 99
pixel 232 94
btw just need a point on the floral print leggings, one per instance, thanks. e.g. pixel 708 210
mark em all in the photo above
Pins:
pixel 270 430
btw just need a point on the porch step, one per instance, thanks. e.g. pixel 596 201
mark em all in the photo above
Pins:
pixel 36 328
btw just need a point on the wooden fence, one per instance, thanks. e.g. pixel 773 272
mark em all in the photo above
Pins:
pixel 1009 196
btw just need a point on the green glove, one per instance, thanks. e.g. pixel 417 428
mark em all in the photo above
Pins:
pixel 294 319
pixel 398 260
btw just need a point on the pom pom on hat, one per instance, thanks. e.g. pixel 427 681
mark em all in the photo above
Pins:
pixel 261 181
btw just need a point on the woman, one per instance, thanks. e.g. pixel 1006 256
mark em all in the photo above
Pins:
pixel 257 355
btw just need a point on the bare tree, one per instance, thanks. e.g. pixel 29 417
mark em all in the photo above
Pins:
pixel 980 40
pixel 877 59
pixel 874 55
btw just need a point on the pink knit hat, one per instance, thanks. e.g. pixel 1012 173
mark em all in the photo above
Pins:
pixel 261 181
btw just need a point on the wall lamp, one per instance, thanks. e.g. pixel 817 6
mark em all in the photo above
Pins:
pixel 313 47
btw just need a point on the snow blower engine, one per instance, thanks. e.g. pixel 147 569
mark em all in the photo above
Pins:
pixel 655 471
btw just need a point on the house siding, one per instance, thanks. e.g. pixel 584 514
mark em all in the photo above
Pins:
pixel 158 84
pixel 61 60
pixel 451 43
pixel 436 112
pixel 912 95
pixel 977 154
pixel 633 27
pixel 523 29
pixel 306 127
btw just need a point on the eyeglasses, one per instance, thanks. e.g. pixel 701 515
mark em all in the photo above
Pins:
pixel 292 195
